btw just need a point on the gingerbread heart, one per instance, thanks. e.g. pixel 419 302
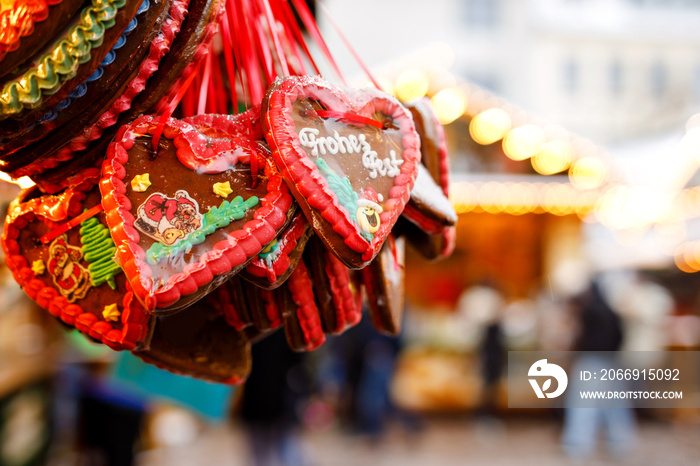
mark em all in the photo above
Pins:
pixel 338 299
pixel 428 207
pixel 277 261
pixel 71 273
pixel 247 307
pixel 433 243
pixel 191 214
pixel 297 303
pixel 199 343
pixel 349 158
pixel 384 283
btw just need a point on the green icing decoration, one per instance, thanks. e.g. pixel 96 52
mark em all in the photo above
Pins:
pixel 98 250
pixel 217 217
pixel 344 192
pixel 62 61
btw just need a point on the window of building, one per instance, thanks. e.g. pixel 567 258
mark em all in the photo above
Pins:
pixel 482 13
pixel 659 79
pixel 571 76
pixel 615 77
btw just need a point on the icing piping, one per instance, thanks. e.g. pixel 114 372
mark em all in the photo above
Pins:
pixel 62 62
pixel 239 246
pixel 49 210
pixel 217 217
pixel 98 250
pixel 111 313
pixel 81 89
pixel 159 47
pixel 140 183
pixel 337 144
pixel 19 22
pixel 223 189
pixel 302 173
pixel 38 267
pixel 345 193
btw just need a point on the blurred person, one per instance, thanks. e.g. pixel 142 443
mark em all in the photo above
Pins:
pixel 493 357
pixel 600 330
pixel 273 393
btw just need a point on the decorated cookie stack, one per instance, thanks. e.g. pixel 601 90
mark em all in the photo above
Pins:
pixel 184 240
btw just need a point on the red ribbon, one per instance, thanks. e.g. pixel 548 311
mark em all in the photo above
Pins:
pixel 392 246
pixel 347 116
pixel 75 221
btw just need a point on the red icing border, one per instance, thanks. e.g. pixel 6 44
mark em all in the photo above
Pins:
pixel 158 48
pixel 299 285
pixel 51 210
pixel 428 225
pixel 348 313
pixel 224 256
pixel 18 22
pixel 203 50
pixel 303 173
pixel 289 239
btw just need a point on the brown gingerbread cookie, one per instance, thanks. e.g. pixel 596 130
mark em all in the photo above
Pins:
pixel 192 214
pixel 94 95
pixel 349 157
pixel 27 25
pixel 277 261
pixel 302 322
pixel 334 290
pixel 63 259
pixel 429 242
pixel 198 342
pixel 383 280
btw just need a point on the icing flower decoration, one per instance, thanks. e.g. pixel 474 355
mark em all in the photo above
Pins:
pixel 38 267
pixel 111 313
pixel 223 189
pixel 140 183
pixel 368 211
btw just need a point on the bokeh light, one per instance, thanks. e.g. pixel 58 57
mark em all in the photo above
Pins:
pixel 554 157
pixel 588 173
pixel 489 126
pixel 449 105
pixel 523 142
pixel 411 85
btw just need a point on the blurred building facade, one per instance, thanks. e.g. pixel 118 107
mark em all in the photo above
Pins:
pixel 609 70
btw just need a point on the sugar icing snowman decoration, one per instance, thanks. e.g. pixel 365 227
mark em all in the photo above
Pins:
pixel 368 211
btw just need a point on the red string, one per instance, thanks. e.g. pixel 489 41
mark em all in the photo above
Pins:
pixel 347 43
pixel 204 87
pixel 228 60
pixel 72 223
pixel 392 246
pixel 291 21
pixel 346 116
pixel 289 37
pixel 311 26
pixel 272 23
pixel 171 108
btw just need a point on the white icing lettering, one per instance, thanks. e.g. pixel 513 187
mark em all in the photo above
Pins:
pixel 387 166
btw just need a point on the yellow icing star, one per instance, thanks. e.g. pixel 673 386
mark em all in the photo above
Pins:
pixel 111 313
pixel 223 189
pixel 140 183
pixel 38 267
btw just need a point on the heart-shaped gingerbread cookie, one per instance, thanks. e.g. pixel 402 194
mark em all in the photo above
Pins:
pixel 432 243
pixel 277 261
pixel 349 158
pixel 71 273
pixel 191 214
